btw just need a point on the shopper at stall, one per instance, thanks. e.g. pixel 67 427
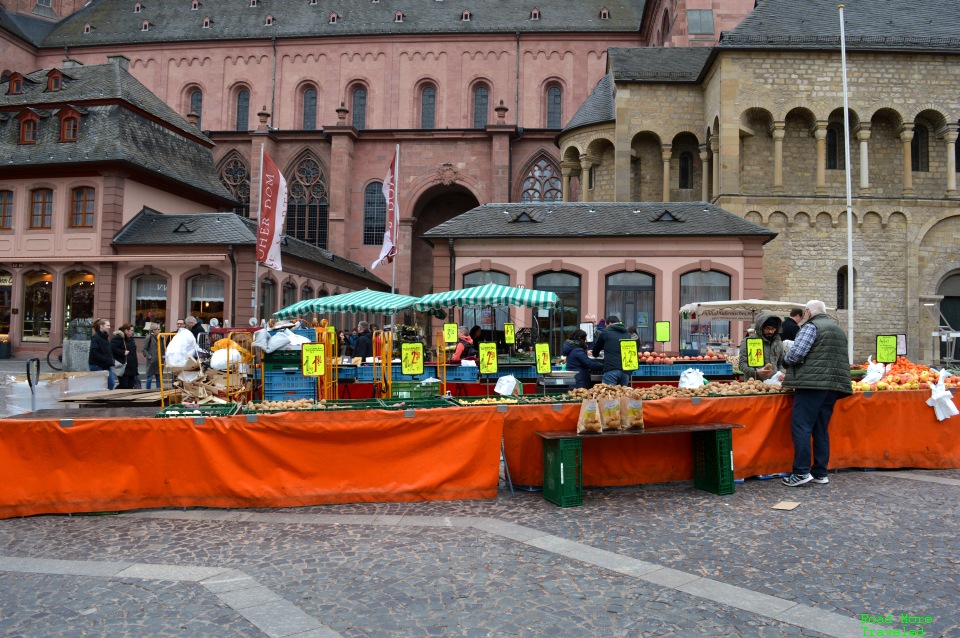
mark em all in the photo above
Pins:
pixel 475 333
pixel 150 349
pixel 125 350
pixel 765 327
pixel 575 350
pixel 352 342
pixel 791 325
pixel 194 326
pixel 466 348
pixel 101 354
pixel 818 370
pixel 609 344
pixel 364 342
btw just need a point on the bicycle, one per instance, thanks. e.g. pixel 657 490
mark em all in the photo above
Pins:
pixel 55 358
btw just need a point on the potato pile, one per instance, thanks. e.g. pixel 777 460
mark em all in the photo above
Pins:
pixel 734 388
pixel 273 406
pixel 488 401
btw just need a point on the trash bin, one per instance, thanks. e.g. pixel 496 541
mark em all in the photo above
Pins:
pixel 4 348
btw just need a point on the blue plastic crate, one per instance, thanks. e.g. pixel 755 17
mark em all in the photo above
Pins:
pixel 463 374
pixel 288 395
pixel 525 372
pixel 288 380
pixel 676 369
pixel 365 373
pixel 347 373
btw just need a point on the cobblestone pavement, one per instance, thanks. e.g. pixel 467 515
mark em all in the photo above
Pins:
pixel 657 560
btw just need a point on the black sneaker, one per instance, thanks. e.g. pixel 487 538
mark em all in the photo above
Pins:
pixel 822 480
pixel 795 480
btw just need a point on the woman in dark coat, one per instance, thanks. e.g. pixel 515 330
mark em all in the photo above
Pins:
pixel 101 353
pixel 575 350
pixel 125 349
pixel 150 354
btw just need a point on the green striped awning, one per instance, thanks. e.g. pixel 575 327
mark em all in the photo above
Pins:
pixel 358 301
pixel 488 295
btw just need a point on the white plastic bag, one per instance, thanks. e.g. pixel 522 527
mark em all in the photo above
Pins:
pixel 875 371
pixel 776 379
pixel 260 339
pixel 691 378
pixel 182 347
pixel 941 399
pixel 218 360
pixel 278 341
pixel 506 385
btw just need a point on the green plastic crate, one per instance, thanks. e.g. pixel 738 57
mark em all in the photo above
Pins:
pixel 413 390
pixel 563 472
pixel 208 409
pixel 713 461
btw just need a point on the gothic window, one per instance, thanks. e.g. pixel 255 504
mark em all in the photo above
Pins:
pixel 82 207
pixel 360 108
pixel 481 98
pixel 836 157
pixel 235 177
pixel 243 109
pixel 554 107
pixel 196 104
pixel 920 149
pixel 41 208
pixel 374 214
pixel 428 107
pixel 310 109
pixel 686 171
pixel 307 203
pixel 542 184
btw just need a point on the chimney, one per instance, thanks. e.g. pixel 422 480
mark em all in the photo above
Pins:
pixel 71 64
pixel 121 61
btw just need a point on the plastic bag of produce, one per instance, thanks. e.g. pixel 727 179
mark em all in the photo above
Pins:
pixel 941 399
pixel 589 420
pixel 776 379
pixel 875 371
pixel 506 386
pixel 691 378
pixel 631 414
pixel 610 414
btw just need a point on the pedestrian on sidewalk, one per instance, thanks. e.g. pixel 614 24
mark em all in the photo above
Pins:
pixel 101 353
pixel 125 351
pixel 150 351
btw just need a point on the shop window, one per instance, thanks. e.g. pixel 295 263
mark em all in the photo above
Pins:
pixel 69 129
pixel 289 296
pixel 374 214
pixel 481 100
pixel 6 301
pixel 148 296
pixel 686 171
pixel 307 203
pixel 699 285
pixel 79 288
pixel 631 296
pixel 205 297
pixel 268 299
pixel 920 149
pixel 489 318
pixel 542 184
pixel 243 109
pixel 359 108
pixel 310 109
pixel 37 305
pixel 82 207
pixel 6 210
pixel 41 208
pixel 554 107
pixel 836 155
pixel 235 176
pixel 553 326
pixel 428 107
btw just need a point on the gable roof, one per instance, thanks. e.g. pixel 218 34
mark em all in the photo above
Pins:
pixel 885 25
pixel 31 30
pixel 597 108
pixel 598 219
pixel 657 64
pixel 153 228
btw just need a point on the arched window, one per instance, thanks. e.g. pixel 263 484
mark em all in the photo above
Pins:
pixel 307 203
pixel 196 104
pixel 604 13
pixel 235 176
pixel 398 16
pixel 268 299
pixel 306 292
pixel 268 21
pixel 41 208
pixel 466 15
pixel 79 287
pixel 148 300
pixel 489 318
pixel 206 23
pixel 289 295
pixel 37 305
pixel 333 18
pixel 310 109
pixel 481 99
pixel 920 149
pixel 428 107
pixel 699 285
pixel 82 207
pixel 6 210
pixel 243 109
pixel 554 107
pixel 542 184
pixel 360 108
pixel 836 155
pixel 843 298
pixel 631 297
pixel 535 14
pixel 686 171
pixel 374 214
pixel 145 25
pixel 567 286
pixel 138 7
pixel 205 297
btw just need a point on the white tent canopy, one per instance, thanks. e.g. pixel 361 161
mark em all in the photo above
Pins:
pixel 739 309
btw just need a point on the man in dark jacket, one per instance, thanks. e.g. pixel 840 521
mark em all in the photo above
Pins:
pixel 101 354
pixel 575 350
pixel 609 343
pixel 194 326
pixel 364 347
pixel 790 325
pixel 818 370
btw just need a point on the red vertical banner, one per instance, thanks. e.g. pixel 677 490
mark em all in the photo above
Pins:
pixel 273 214
pixel 389 249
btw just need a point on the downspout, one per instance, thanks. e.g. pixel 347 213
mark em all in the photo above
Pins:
pixel 233 285
pixel 453 265
pixel 273 85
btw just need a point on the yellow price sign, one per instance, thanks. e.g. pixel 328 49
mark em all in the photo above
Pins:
pixel 488 358
pixel 312 359
pixel 755 352
pixel 450 333
pixel 886 348
pixel 662 331
pixel 543 358
pixel 509 333
pixel 628 355
pixel 411 358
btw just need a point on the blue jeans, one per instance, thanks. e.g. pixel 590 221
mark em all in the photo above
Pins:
pixel 151 377
pixel 812 410
pixel 616 377
pixel 111 375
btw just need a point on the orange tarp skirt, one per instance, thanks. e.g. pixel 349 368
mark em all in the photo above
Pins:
pixel 884 430
pixel 282 460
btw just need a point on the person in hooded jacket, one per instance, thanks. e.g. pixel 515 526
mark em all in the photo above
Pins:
pixel 125 349
pixel 575 350
pixel 766 327
pixel 101 354
pixel 609 343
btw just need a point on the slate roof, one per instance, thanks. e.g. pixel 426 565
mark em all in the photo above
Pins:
pixel 597 108
pixel 115 22
pixel 26 28
pixel 152 228
pixel 598 219
pixel 657 64
pixel 905 25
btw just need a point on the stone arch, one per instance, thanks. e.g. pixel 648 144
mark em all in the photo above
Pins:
pixel 802 219
pixel 433 203
pixel 598 184
pixel 416 101
pixel 755 217
pixel 646 167
pixel 886 153
pixel 800 150
pixel 756 150
pixel 686 168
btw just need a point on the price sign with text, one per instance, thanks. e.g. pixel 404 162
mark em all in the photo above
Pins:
pixel 450 332
pixel 662 331
pixel 509 334
pixel 628 355
pixel 312 359
pixel 886 348
pixel 755 352
pixel 543 358
pixel 411 358
pixel 488 358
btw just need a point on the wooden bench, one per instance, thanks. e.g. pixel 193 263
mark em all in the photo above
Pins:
pixel 563 455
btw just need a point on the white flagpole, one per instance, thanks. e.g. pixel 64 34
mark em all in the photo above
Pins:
pixel 256 262
pixel 396 219
pixel 846 154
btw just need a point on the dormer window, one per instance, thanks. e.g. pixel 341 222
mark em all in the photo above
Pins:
pixel 398 16
pixel 254 3
pixel 54 80
pixel 268 21
pixel 195 5
pixel 145 25
pixel 313 2
pixel 16 86
pixel 137 8
pixel 87 29
pixel 466 15
pixel 333 18
pixel 535 14
pixel 29 127
pixel 69 129
pixel 206 23
pixel 604 13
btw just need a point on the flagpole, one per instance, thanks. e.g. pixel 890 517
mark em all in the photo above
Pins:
pixel 256 262
pixel 846 154
pixel 396 218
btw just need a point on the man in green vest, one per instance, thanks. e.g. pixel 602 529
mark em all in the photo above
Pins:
pixel 818 370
